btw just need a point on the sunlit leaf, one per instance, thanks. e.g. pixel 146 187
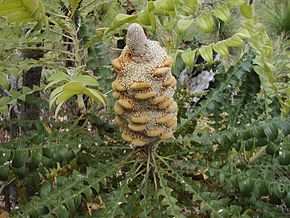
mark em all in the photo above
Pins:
pixel 95 95
pixel 237 2
pixel 183 25
pixel 205 22
pixel 206 53
pixel 221 48
pixel 223 13
pixel 188 57
pixel 246 11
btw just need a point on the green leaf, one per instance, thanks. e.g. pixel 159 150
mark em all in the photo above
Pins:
pixel 164 5
pixel 120 20
pixel 205 22
pixel 62 212
pixel 4 156
pixel 87 80
pixel 143 18
pixel 64 96
pixel 206 53
pixel 53 96
pixel 223 13
pixel 20 157
pixel 4 172
pixel 21 11
pixel 221 48
pixel 188 57
pixel 4 81
pixel 183 25
pixel 74 87
pixel 61 98
pixel 234 41
pixel 236 2
pixel 246 11
pixel 244 33
pixel 95 95
pixel 59 76
pixel 188 7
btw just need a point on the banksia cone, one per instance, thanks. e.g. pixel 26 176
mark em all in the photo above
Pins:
pixel 145 109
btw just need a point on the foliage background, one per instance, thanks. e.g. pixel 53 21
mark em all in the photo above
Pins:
pixel 61 153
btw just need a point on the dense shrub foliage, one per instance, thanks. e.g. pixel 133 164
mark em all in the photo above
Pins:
pixel 61 153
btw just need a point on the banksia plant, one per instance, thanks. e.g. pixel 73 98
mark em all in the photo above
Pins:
pixel 145 109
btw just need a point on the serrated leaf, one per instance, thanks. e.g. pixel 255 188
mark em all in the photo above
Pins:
pixel 206 53
pixel 188 57
pixel 164 5
pixel 183 25
pixel 246 11
pixel 234 41
pixel 4 81
pixel 61 212
pixel 244 33
pixel 20 157
pixel 144 18
pixel 205 22
pixel 221 48
pixel 236 2
pixel 223 13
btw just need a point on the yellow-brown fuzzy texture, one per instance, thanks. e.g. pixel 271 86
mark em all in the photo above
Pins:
pixel 144 87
